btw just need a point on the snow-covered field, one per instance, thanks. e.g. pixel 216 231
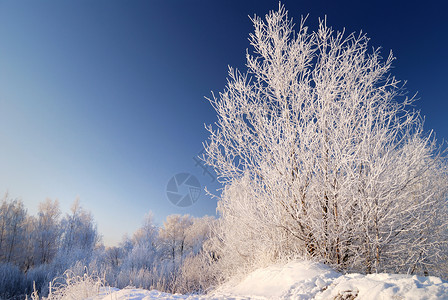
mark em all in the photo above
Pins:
pixel 307 280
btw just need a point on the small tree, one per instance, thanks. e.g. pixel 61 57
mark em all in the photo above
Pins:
pixel 322 157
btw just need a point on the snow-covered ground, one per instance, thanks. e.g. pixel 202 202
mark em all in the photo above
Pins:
pixel 137 294
pixel 307 280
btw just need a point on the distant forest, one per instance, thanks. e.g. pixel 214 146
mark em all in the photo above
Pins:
pixel 40 249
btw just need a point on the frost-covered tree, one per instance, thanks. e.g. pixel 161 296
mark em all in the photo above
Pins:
pixel 13 230
pixel 144 246
pixel 147 234
pixel 79 232
pixel 198 233
pixel 174 235
pixel 113 256
pixel 46 232
pixel 322 157
pixel 196 272
pixel 181 240
pixel 165 258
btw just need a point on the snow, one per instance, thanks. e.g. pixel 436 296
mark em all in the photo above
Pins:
pixel 138 294
pixel 306 280
pixel 298 280
pixel 388 286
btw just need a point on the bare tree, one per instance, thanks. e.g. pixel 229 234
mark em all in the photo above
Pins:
pixel 322 156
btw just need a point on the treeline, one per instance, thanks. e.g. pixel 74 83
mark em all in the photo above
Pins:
pixel 37 250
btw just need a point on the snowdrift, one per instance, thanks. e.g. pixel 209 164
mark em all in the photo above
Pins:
pixel 308 280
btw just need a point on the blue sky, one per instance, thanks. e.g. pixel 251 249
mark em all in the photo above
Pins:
pixel 104 100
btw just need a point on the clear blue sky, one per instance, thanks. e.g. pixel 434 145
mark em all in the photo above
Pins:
pixel 105 99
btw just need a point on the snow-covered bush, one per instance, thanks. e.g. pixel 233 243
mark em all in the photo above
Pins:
pixel 159 277
pixel 323 157
pixel 245 234
pixel 197 274
pixel 75 283
pixel 12 281
pixel 55 247
pixel 39 277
